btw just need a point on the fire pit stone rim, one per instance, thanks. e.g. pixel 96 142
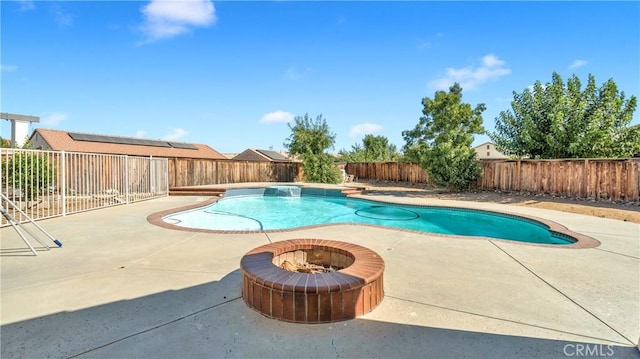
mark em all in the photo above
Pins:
pixel 367 267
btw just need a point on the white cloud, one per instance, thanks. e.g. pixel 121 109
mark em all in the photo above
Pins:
pixel 492 61
pixel 165 19
pixel 140 134
pixel 578 63
pixel 26 5
pixel 61 16
pixel 471 77
pixel 175 134
pixel 364 129
pixel 8 68
pixel 428 44
pixel 53 119
pixel 278 116
pixel 423 45
pixel 293 73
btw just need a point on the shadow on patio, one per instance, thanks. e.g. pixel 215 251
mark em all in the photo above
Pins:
pixel 211 320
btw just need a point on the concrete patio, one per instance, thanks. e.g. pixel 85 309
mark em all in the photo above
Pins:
pixel 121 287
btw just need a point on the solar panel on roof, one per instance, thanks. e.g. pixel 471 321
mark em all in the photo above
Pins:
pixel 187 146
pixel 118 140
pixel 273 155
pixel 126 141
pixel 155 143
pixel 84 137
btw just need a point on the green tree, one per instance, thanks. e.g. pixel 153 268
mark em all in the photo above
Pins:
pixel 441 141
pixel 309 140
pixel 6 143
pixel 29 171
pixel 555 120
pixel 373 149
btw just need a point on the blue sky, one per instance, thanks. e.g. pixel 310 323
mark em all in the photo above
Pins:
pixel 231 74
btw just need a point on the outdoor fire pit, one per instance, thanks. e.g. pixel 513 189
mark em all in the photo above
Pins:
pixel 312 280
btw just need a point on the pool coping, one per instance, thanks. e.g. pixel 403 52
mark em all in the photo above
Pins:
pixel 582 241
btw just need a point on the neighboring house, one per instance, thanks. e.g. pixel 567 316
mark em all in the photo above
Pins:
pixel 251 154
pixel 56 140
pixel 230 155
pixel 488 150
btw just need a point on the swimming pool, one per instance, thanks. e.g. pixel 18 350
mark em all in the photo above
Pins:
pixel 290 207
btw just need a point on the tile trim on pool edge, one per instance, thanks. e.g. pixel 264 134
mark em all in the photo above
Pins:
pixel 582 241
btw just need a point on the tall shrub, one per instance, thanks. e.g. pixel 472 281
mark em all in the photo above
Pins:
pixel 309 140
pixel 441 141
pixel 29 172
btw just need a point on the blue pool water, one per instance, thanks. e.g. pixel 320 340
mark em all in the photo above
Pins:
pixel 279 210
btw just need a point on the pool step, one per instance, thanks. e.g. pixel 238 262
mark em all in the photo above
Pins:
pixel 196 191
pixel 353 191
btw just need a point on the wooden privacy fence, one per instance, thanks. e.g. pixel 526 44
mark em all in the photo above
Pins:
pixel 388 171
pixel 198 172
pixel 611 179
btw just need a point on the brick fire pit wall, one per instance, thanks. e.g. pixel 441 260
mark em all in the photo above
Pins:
pixel 312 298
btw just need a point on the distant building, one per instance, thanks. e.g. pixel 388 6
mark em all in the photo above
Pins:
pixel 56 140
pixel 488 151
pixel 251 154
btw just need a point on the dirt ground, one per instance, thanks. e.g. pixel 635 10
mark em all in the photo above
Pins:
pixel 628 212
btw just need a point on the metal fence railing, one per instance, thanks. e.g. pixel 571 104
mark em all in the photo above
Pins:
pixel 45 184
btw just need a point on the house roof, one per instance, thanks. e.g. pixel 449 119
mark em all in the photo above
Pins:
pixel 484 144
pixel 93 143
pixel 251 154
pixel 276 156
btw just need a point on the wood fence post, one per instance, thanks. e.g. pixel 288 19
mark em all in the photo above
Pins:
pixel 586 178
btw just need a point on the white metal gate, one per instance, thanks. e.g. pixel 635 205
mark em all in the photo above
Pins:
pixel 47 184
